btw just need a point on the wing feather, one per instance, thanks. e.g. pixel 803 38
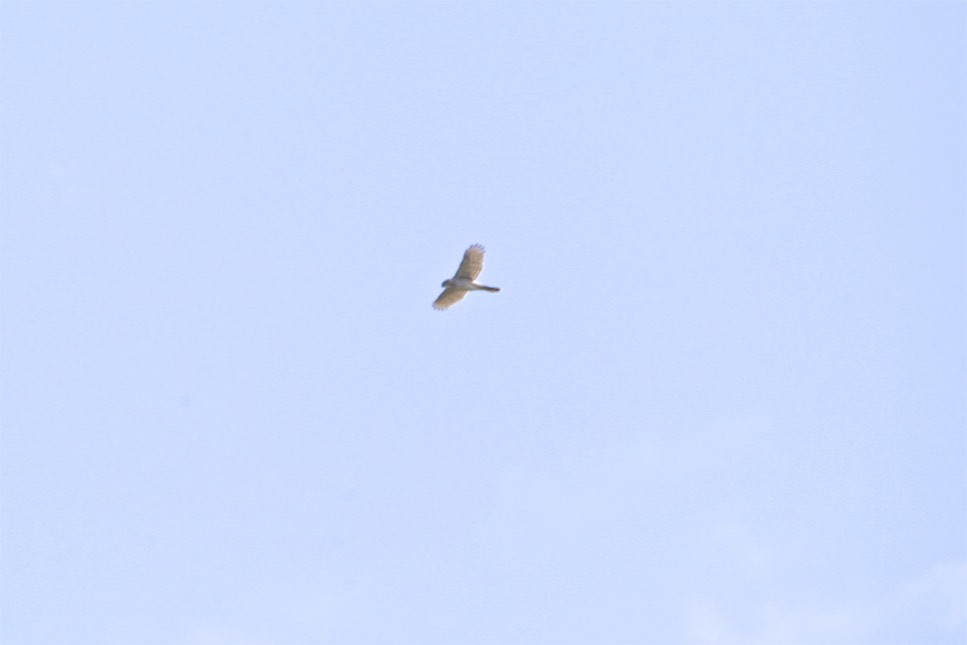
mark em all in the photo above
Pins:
pixel 448 297
pixel 472 263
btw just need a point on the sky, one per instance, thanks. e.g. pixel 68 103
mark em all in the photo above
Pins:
pixel 720 397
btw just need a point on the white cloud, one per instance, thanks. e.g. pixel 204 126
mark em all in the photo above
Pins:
pixel 220 635
pixel 772 624
pixel 737 543
pixel 302 620
pixel 930 608
pixel 934 602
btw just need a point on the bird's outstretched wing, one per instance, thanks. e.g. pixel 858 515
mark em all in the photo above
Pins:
pixel 449 297
pixel 472 263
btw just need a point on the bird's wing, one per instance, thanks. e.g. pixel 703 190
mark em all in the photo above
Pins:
pixel 449 297
pixel 472 263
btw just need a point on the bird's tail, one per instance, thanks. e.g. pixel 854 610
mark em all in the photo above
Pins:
pixel 490 289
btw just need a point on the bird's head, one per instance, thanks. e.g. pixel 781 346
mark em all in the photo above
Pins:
pixel 446 283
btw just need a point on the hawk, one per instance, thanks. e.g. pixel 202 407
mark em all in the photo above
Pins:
pixel 457 287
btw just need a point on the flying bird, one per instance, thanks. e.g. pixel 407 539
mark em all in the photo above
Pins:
pixel 457 287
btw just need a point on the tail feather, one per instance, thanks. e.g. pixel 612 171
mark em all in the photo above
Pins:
pixel 490 289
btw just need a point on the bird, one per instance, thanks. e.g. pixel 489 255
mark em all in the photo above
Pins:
pixel 455 288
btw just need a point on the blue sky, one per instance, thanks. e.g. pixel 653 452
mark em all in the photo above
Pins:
pixel 719 399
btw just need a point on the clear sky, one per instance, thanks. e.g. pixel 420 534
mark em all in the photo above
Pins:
pixel 720 397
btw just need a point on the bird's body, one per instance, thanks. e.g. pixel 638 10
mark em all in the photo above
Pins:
pixel 466 285
pixel 455 288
